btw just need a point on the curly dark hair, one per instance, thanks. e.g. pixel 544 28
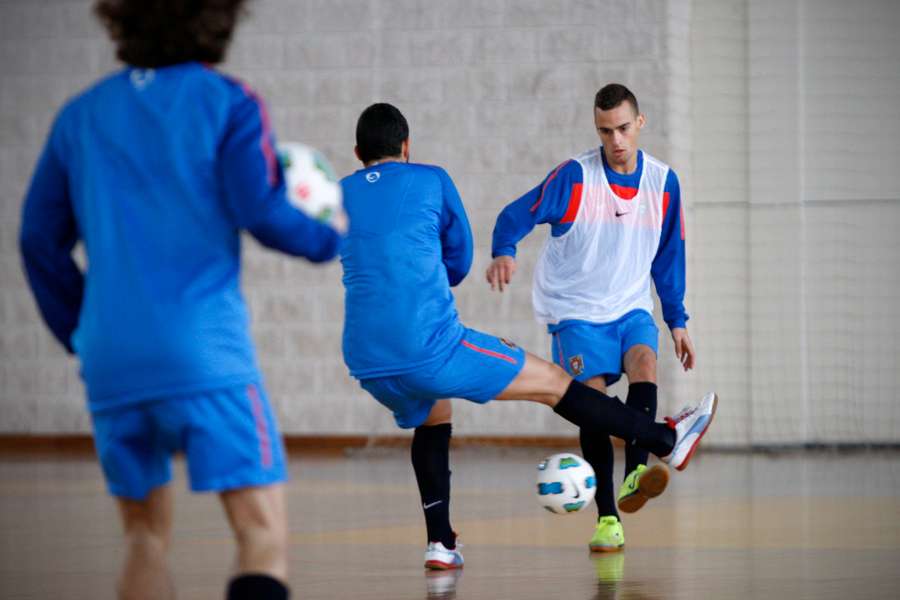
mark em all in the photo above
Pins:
pixel 156 33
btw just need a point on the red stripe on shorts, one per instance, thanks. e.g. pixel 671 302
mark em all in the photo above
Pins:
pixel 562 356
pixel 262 426
pixel 471 346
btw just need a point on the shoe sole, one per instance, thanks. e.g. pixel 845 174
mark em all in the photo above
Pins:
pixel 606 548
pixel 696 443
pixel 436 565
pixel 651 484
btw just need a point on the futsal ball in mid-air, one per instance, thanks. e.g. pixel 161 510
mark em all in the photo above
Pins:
pixel 311 184
pixel 565 483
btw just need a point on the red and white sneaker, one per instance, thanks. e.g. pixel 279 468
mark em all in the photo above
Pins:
pixel 690 424
pixel 439 558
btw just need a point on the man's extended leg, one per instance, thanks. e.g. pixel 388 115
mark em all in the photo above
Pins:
pixel 430 455
pixel 258 519
pixel 148 527
pixel 673 441
pixel 544 382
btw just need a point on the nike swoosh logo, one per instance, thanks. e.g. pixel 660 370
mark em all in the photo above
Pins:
pixel 577 493
pixel 619 214
pixel 427 506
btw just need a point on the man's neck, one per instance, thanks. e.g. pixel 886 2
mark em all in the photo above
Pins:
pixel 626 168
pixel 383 160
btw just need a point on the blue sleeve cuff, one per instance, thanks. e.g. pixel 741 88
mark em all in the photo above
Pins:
pixel 677 324
pixel 504 251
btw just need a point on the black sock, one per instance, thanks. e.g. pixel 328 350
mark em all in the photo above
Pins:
pixel 641 397
pixel 256 587
pixel 592 410
pixel 598 451
pixel 430 454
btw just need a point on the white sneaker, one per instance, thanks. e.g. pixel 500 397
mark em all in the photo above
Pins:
pixel 438 557
pixel 690 424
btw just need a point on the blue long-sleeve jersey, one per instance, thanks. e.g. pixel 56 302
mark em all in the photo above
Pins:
pixel 409 242
pixel 555 202
pixel 157 172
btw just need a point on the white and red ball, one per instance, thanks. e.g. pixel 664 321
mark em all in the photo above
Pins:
pixel 311 183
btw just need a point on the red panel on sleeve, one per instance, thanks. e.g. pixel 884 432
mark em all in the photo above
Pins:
pixel 546 183
pixel 574 203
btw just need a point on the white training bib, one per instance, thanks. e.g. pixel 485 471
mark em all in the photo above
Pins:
pixel 599 270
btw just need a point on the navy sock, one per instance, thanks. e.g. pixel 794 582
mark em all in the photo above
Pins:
pixel 594 411
pixel 256 587
pixel 641 397
pixel 598 451
pixel 430 455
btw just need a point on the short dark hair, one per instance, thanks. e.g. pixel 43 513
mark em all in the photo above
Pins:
pixel 614 94
pixel 167 32
pixel 380 132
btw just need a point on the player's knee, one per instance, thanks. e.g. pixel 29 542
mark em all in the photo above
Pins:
pixel 260 540
pixel 441 412
pixel 257 518
pixel 643 365
pixel 144 542
pixel 559 380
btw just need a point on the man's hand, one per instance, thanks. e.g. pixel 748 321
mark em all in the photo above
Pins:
pixel 684 348
pixel 340 222
pixel 500 272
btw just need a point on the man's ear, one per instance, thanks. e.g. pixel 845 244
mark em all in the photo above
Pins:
pixel 356 152
pixel 404 149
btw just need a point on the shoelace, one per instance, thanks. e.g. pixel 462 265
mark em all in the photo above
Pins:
pixel 683 414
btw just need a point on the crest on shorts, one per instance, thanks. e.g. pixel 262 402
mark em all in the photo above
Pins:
pixel 576 364
pixel 507 343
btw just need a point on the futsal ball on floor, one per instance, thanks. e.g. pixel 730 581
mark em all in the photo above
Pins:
pixel 311 184
pixel 565 483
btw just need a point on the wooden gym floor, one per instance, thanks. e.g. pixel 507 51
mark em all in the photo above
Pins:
pixel 814 524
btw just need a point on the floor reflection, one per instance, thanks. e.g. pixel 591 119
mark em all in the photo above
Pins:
pixel 441 585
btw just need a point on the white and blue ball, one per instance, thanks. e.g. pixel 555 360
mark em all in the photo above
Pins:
pixel 311 183
pixel 565 483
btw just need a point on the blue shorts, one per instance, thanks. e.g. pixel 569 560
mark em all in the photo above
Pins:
pixel 478 369
pixel 229 437
pixel 587 350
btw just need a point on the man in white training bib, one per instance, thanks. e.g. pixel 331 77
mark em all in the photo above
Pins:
pixel 616 220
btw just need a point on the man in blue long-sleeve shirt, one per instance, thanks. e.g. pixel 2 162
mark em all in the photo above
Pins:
pixel 409 242
pixel 156 169
pixel 615 221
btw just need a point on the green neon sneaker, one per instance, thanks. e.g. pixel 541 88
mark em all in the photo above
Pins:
pixel 642 484
pixel 609 535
